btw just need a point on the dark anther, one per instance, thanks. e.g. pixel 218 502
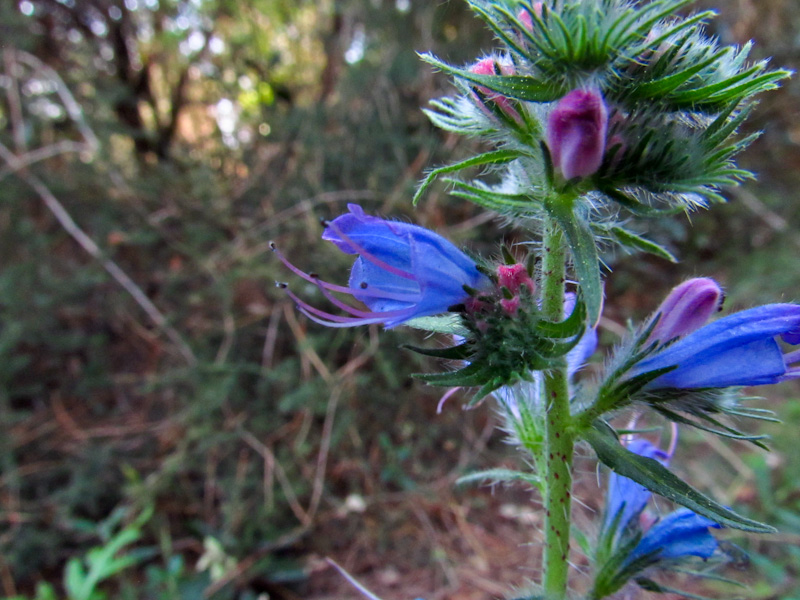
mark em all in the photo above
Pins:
pixel 324 222
pixel 281 284
pixel 363 285
pixel 721 302
pixel 313 275
pixel 273 246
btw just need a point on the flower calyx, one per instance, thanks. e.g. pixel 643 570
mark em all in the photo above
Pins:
pixel 507 338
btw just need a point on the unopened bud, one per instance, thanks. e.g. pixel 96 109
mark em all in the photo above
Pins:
pixel 687 308
pixel 525 15
pixel 514 277
pixel 489 66
pixel 576 133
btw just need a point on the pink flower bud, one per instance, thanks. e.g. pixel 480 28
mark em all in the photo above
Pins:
pixel 513 277
pixel 510 305
pixel 489 66
pixel 525 15
pixel 687 308
pixel 576 133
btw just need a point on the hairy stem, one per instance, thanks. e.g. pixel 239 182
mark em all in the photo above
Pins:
pixel 559 440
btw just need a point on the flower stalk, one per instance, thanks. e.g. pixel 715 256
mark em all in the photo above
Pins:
pixel 559 438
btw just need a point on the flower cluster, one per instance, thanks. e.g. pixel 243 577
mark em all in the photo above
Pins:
pixel 634 542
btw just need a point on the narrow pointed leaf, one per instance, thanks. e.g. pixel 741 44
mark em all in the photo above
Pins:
pixel 461 352
pixel 658 479
pixel 450 324
pixel 495 157
pixel 631 240
pixel 498 476
pixel 584 256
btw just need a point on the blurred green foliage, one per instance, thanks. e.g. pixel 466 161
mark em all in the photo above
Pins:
pixel 219 126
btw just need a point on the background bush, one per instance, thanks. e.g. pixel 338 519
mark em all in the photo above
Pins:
pixel 206 130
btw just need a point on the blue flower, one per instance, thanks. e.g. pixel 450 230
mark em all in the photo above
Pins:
pixel 402 272
pixel 679 534
pixel 737 350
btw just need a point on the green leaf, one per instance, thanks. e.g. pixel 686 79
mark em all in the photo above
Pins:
pixel 657 478
pixel 584 256
pixel 638 208
pixel 460 352
pixel 74 578
pixel 631 240
pixel 511 86
pixel 499 476
pixel 496 157
pixel 470 376
pixel 658 588
pixel 664 85
pixel 450 324
pixel 572 326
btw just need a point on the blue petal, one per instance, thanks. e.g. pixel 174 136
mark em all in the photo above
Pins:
pixel 736 350
pixel 365 273
pixel 756 363
pixel 389 241
pixel 624 494
pixel 442 275
pixel 681 533
pixel 585 347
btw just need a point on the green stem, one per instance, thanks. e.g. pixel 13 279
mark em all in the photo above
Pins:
pixel 559 437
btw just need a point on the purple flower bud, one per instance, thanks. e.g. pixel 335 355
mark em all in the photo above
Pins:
pixel 687 308
pixel 576 133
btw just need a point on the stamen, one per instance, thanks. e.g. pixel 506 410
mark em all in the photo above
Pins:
pixel 791 374
pixel 369 256
pixel 306 308
pixel 444 399
pixel 791 357
pixel 330 320
pixel 379 294
pixel 336 324
pixel 673 442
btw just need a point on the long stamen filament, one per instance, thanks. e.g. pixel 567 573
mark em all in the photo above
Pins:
pixel 379 294
pixel 360 313
pixel 791 357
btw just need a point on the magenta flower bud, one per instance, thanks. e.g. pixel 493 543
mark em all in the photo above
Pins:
pixel 489 66
pixel 576 133
pixel 687 308
pixel 525 15
pixel 514 277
